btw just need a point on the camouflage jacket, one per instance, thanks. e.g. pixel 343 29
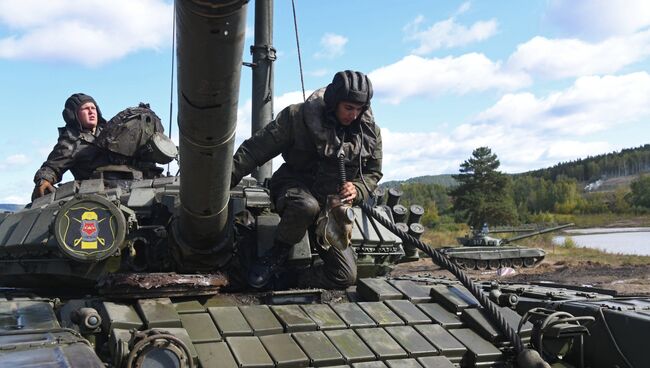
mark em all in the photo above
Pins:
pixel 309 139
pixel 74 151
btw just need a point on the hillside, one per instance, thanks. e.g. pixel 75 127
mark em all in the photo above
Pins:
pixel 444 180
pixel 627 162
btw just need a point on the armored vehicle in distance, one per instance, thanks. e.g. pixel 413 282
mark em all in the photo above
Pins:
pixel 480 251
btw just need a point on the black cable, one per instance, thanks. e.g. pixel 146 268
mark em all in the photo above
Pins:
pixel 295 26
pixel 444 262
pixel 340 155
pixel 611 337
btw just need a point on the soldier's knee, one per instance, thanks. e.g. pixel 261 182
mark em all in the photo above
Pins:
pixel 304 204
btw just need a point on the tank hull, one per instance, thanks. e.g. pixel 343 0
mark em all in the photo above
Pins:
pixel 420 322
pixel 493 257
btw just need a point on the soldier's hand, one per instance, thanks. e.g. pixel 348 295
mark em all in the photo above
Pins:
pixel 43 188
pixel 348 192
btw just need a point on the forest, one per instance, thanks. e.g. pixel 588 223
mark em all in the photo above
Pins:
pixel 631 161
pixel 482 193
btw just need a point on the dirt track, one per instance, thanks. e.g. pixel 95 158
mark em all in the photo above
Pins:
pixel 623 279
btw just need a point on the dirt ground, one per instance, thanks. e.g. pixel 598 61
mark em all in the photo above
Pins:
pixel 626 280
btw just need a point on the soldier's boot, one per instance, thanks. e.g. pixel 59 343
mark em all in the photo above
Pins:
pixel 268 265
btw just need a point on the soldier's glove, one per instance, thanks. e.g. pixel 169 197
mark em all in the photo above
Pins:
pixel 42 187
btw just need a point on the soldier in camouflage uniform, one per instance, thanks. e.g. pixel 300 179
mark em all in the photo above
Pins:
pixel 334 121
pixel 75 149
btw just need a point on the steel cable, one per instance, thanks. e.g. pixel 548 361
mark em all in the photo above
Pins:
pixel 444 262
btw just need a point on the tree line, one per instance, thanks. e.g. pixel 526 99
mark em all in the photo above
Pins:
pixel 631 161
pixel 483 194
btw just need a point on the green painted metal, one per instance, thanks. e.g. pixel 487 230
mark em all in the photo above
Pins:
pixel 381 343
pixel 411 341
pixel 215 355
pixel 261 320
pixel 375 289
pixel 440 315
pixel 408 311
pixel 324 316
pixel 478 349
pixel 249 351
pixel 159 312
pixel 353 315
pixel 230 321
pixel 284 351
pixel 381 314
pixel 200 327
pixel 293 318
pixel 350 345
pixel 318 348
pixel 442 340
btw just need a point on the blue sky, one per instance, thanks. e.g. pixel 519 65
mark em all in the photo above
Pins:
pixel 538 81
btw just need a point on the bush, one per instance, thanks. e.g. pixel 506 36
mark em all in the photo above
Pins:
pixel 569 243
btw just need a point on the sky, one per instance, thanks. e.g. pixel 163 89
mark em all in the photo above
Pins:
pixel 537 81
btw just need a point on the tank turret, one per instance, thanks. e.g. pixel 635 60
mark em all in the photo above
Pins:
pixel 117 224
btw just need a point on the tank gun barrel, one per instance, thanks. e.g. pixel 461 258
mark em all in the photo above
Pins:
pixel 210 41
pixel 543 231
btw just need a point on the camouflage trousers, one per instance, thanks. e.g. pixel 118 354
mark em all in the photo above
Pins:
pixel 298 209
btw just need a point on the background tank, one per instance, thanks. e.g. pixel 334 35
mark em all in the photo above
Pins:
pixel 125 273
pixel 482 252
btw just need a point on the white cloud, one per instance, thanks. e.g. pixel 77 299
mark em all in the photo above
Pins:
pixel 591 105
pixel 333 46
pixel 558 150
pixel 526 131
pixel 594 19
pixel 417 76
pixel 17 199
pixel 18 159
pixel 447 34
pixel 562 58
pixel 464 7
pixel 407 155
pixel 90 33
pixel 244 119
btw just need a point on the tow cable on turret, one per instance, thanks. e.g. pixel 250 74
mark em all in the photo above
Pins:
pixel 525 357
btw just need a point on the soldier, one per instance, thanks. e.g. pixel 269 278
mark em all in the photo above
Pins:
pixel 74 150
pixel 334 122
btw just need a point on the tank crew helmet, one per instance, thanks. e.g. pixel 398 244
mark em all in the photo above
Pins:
pixel 348 85
pixel 72 105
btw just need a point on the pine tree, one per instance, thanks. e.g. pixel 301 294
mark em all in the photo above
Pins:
pixel 483 193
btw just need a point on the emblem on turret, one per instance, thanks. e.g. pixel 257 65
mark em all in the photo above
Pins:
pixel 90 228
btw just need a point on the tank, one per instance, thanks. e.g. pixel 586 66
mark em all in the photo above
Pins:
pixel 480 251
pixel 142 272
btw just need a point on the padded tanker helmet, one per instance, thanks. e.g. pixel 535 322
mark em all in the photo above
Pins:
pixel 349 86
pixel 72 105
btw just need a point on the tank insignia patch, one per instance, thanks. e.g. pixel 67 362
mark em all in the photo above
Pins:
pixel 89 231
pixel 90 228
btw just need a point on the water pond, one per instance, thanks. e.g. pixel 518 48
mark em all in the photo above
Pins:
pixel 615 240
